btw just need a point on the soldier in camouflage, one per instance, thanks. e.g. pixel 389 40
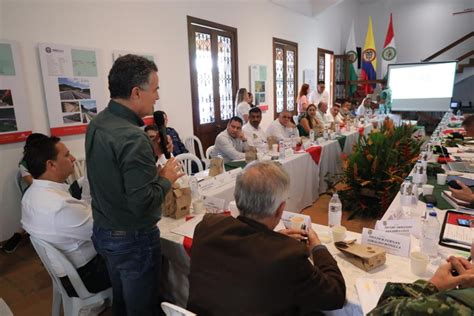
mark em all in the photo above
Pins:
pixel 444 294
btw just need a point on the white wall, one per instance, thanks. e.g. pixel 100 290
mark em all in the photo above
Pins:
pixel 158 27
pixel 421 27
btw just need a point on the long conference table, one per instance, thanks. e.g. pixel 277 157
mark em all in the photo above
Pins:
pixel 308 176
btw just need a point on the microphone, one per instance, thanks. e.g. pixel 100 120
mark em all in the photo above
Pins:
pixel 160 122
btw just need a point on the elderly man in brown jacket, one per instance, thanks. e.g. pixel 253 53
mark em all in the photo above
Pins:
pixel 241 266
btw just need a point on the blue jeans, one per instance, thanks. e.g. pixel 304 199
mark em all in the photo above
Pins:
pixel 133 260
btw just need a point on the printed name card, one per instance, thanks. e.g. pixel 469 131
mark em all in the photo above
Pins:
pixel 209 184
pixel 214 204
pixel 394 244
pixel 400 226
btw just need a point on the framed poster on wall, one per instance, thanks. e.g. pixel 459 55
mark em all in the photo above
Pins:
pixel 258 85
pixel 15 123
pixel 73 88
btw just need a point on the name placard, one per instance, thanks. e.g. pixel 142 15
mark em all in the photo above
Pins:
pixel 214 204
pixel 400 226
pixel 394 244
pixel 209 184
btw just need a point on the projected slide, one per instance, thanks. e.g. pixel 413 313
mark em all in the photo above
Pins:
pixel 422 86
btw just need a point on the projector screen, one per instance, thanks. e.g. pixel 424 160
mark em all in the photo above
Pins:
pixel 422 86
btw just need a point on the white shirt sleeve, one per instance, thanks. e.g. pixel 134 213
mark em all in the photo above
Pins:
pixel 225 146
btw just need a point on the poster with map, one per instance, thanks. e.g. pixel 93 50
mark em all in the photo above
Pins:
pixel 15 123
pixel 74 91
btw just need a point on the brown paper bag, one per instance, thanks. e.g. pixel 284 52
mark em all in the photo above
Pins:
pixel 366 257
pixel 177 202
pixel 216 166
pixel 251 154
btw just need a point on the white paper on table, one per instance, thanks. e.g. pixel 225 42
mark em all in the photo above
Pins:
pixel 370 290
pixel 214 204
pixel 452 150
pixel 187 229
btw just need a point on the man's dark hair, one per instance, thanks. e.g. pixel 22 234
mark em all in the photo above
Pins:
pixel 255 110
pixel 321 82
pixel 32 138
pixel 468 121
pixel 237 119
pixel 151 127
pixel 129 71
pixel 37 155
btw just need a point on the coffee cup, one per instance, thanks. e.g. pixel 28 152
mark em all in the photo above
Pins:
pixel 297 222
pixel 419 262
pixel 427 189
pixel 441 178
pixel 338 233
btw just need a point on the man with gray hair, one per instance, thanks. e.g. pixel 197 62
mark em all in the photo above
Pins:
pixel 241 266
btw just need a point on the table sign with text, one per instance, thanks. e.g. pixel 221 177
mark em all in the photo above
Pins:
pixel 394 244
pixel 400 226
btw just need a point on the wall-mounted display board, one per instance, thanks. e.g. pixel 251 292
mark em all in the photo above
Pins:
pixel 15 122
pixel 258 85
pixel 73 88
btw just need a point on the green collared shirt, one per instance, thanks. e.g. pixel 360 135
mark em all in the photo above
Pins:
pixel 127 193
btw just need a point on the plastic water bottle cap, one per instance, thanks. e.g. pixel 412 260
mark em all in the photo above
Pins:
pixel 433 214
pixel 429 205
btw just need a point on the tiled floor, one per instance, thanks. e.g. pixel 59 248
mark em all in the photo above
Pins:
pixel 26 286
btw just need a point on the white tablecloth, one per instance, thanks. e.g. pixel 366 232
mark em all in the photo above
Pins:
pixel 304 183
pixel 396 268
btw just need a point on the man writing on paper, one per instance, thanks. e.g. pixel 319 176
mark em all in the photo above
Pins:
pixel 128 190
pixel 241 266
pixel 231 143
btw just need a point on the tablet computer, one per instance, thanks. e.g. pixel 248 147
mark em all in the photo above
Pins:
pixel 454 232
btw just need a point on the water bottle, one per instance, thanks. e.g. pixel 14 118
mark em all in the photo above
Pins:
pixel 282 150
pixel 337 128
pixel 418 174
pixel 430 234
pixel 335 211
pixel 311 135
pixel 325 133
pixel 198 204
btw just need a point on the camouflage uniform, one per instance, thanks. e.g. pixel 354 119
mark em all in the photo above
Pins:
pixel 423 298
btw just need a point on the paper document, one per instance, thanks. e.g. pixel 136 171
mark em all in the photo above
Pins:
pixel 369 291
pixel 187 229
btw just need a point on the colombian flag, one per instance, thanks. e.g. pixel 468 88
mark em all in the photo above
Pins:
pixel 369 60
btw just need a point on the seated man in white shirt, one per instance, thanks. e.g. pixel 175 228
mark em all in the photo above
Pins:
pixel 320 94
pixel 231 143
pixel 50 213
pixel 321 112
pixel 334 116
pixel 253 132
pixel 282 127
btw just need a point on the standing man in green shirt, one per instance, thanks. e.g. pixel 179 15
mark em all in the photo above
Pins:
pixel 127 188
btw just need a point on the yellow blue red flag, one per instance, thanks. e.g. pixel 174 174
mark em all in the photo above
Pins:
pixel 369 60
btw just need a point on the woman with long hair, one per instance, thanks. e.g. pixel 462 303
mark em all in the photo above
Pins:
pixel 309 122
pixel 302 100
pixel 242 106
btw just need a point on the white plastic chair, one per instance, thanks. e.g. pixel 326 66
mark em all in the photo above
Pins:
pixel 20 184
pixel 209 152
pixel 189 144
pixel 186 160
pixel 174 310
pixel 71 305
